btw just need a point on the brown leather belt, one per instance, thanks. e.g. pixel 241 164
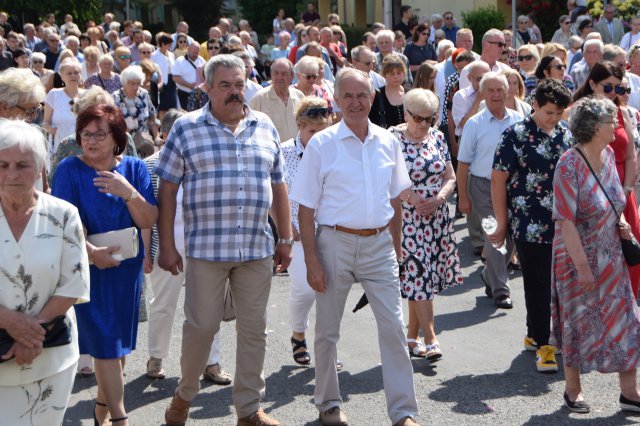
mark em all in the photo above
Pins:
pixel 360 232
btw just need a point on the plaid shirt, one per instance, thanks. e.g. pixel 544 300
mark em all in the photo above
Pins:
pixel 226 182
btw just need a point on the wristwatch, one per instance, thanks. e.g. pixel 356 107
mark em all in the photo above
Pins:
pixel 288 242
pixel 134 194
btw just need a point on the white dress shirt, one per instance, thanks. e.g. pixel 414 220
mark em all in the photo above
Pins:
pixel 250 89
pixel 348 182
pixel 461 104
pixel 187 71
pixel 480 137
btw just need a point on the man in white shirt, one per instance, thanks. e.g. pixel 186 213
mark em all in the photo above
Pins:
pixel 467 101
pixel 185 72
pixel 351 182
pixel 480 137
pixel 363 59
pixel 493 45
pixel 181 27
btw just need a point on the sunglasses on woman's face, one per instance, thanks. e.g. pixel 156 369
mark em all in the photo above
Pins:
pixel 182 41
pixel 37 61
pixel 213 48
pixel 419 119
pixel 316 112
pixel 124 57
pixel 309 76
pixel 559 67
pixel 608 88
pixel 525 58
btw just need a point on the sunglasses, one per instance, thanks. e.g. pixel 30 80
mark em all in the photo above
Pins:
pixel 309 76
pixel 213 48
pixel 337 33
pixel 182 41
pixel 448 18
pixel 426 33
pixel 499 43
pixel 37 61
pixel 145 52
pixel 559 67
pixel 419 119
pixel 124 57
pixel 316 112
pixel 608 88
pixel 566 23
pixel 525 58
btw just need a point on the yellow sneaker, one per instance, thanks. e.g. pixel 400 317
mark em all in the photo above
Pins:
pixel 530 344
pixel 546 359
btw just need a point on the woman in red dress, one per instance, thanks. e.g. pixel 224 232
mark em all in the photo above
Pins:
pixel 605 80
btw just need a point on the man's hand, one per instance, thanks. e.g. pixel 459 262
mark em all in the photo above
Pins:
pixel 316 278
pixel 170 260
pixel 464 204
pixel 282 258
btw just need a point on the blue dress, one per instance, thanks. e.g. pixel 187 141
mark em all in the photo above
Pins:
pixel 108 324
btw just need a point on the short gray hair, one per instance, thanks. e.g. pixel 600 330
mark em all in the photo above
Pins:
pixel 593 42
pixel 95 95
pixel 283 61
pixel 493 76
pixel 421 99
pixel 350 72
pixel 244 55
pixel 39 55
pixel 134 72
pixel 493 32
pixel 355 52
pixel 106 57
pixel 444 45
pixel 169 118
pixel 27 136
pixel 611 51
pixel 588 114
pixel 436 17
pixel 306 63
pixel 385 33
pixel 221 61
pixel 20 86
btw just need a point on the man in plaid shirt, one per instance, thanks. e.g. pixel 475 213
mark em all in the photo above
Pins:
pixel 228 160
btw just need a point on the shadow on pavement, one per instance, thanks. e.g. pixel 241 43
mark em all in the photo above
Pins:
pixel 563 417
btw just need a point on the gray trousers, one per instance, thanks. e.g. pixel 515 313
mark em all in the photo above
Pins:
pixel 495 273
pixel 346 258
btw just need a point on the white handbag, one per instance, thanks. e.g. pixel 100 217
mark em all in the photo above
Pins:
pixel 126 238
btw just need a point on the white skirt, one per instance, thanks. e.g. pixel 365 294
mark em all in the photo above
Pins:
pixel 40 403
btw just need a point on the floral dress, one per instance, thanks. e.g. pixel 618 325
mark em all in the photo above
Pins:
pixel 429 247
pixel 599 329
pixel 137 111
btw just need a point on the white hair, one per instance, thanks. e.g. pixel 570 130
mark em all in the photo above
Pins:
pixel 385 34
pixel 494 76
pixel 20 86
pixel 132 73
pixel 350 72
pixel 421 99
pixel 444 45
pixel 27 136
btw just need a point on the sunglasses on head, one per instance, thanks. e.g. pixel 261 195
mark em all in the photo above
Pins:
pixel 525 58
pixel 419 119
pixel 608 88
pixel 124 57
pixel 316 112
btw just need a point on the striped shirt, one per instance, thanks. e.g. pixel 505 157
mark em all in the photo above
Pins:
pixel 226 179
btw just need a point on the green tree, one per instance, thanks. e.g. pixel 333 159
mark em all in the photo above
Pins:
pixel 482 20
pixel 34 11
pixel 200 14
pixel 261 14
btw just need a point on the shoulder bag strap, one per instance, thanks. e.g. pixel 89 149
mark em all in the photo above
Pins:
pixel 598 180
pixel 191 63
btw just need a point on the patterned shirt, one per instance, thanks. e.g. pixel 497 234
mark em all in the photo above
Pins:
pixel 451 87
pixel 226 180
pixel 293 151
pixel 136 111
pixel 530 155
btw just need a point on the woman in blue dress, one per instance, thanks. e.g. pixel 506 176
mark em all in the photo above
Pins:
pixel 111 192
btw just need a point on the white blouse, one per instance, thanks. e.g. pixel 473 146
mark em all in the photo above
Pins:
pixel 50 259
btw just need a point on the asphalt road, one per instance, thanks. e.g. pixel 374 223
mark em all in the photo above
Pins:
pixel 484 378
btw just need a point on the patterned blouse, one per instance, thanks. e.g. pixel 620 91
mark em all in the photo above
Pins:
pixel 530 155
pixel 137 111
pixel 451 87
pixel 110 84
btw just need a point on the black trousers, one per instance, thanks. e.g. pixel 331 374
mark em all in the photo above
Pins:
pixel 183 97
pixel 536 273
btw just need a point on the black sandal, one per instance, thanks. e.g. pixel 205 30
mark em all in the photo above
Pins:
pixel 119 419
pixel 304 357
pixel 95 418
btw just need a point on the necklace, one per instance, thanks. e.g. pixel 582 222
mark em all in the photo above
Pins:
pixel 598 168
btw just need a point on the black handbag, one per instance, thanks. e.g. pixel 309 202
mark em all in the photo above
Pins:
pixel 630 247
pixel 58 333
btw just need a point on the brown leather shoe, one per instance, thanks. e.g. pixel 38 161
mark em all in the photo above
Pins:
pixel 333 417
pixel 406 421
pixel 177 412
pixel 259 418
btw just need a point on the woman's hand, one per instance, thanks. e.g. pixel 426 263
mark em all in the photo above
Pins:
pixel 427 206
pixel 113 183
pixel 23 354
pixel 102 257
pixel 625 230
pixel 586 278
pixel 498 237
pixel 24 329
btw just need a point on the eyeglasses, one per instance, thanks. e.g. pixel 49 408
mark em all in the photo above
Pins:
pixel 608 88
pixel 525 58
pixel 213 48
pixel 309 76
pixel 523 22
pixel 337 33
pixel 566 23
pixel 98 136
pixel 316 112
pixel 145 52
pixel 448 18
pixel 182 41
pixel 124 57
pixel 559 67
pixel 31 112
pixel 499 43
pixel 419 119
pixel 37 61
pixel 368 63
pixel 425 33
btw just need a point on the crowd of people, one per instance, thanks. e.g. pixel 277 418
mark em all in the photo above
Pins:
pixel 224 162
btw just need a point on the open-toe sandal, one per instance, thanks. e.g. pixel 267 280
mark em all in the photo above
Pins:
pixel 303 357
pixel 419 350
pixel 95 417
pixel 433 352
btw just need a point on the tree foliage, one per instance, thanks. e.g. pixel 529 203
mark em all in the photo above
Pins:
pixel 260 14
pixel 200 14
pixel 482 20
pixel 34 11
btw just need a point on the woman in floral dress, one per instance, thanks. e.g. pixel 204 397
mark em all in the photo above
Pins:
pixel 595 315
pixel 429 249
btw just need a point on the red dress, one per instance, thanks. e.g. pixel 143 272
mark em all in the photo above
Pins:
pixel 619 146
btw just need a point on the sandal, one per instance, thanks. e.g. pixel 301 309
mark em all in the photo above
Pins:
pixel 339 365
pixel 433 352
pixel 419 350
pixel 220 377
pixel 303 357
pixel 85 366
pixel 95 417
pixel 155 370
pixel 119 419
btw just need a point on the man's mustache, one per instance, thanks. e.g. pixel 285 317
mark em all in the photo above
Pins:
pixel 233 98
